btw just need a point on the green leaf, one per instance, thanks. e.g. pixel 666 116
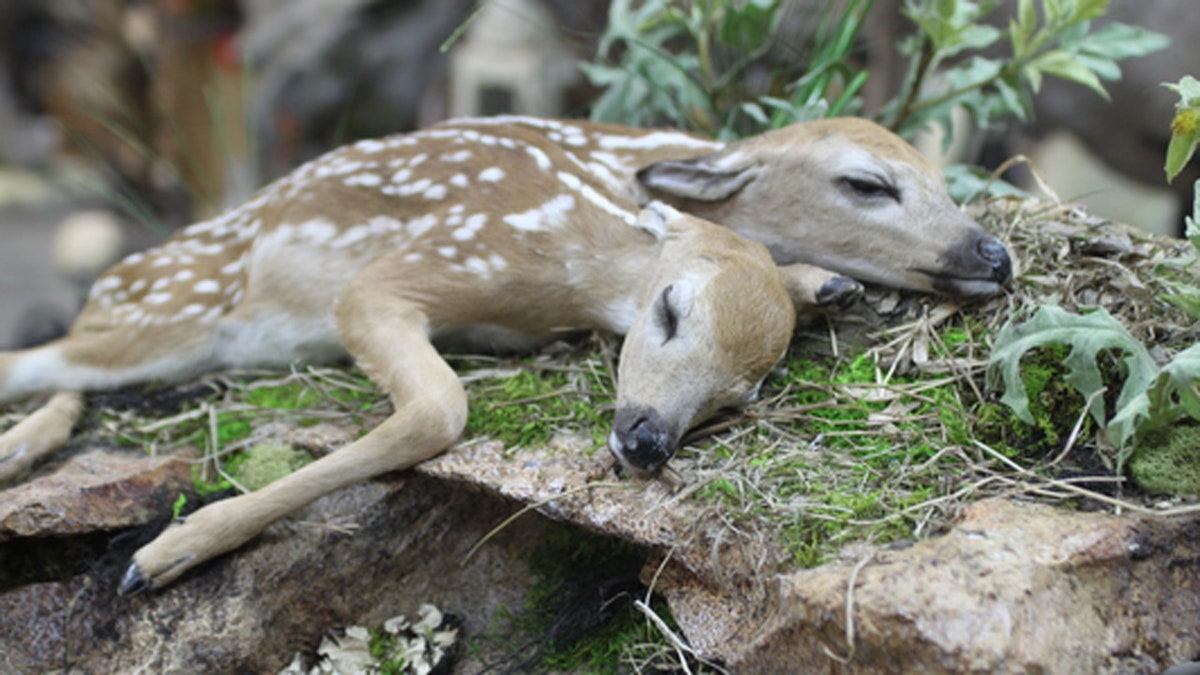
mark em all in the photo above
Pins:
pixel 1175 392
pixel 1179 382
pixel 1188 89
pixel 1088 335
pixel 749 27
pixel 972 36
pixel 1021 28
pixel 1179 152
pixel 1034 76
pixel 1117 41
pixel 967 182
pixel 1188 302
pixel 755 112
pixel 1053 11
pixel 1104 67
pixel 1014 102
pixel 1089 9
pixel 1065 65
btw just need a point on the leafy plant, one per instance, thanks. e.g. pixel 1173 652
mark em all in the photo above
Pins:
pixel 1185 136
pixel 700 65
pixel 1185 129
pixel 1150 398
pixel 947 68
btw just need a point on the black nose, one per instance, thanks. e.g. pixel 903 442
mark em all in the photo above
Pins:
pixel 641 440
pixel 994 253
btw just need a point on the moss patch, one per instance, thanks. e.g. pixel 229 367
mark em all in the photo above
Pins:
pixel 525 403
pixel 1169 462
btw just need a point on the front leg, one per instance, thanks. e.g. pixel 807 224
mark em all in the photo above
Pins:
pixel 431 410
pixel 815 289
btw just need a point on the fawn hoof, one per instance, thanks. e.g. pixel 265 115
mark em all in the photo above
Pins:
pixel 13 464
pixel 840 292
pixel 157 564
pixel 134 582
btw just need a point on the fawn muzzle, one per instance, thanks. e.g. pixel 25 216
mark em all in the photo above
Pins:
pixel 641 440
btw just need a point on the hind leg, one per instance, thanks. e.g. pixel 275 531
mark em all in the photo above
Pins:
pixel 40 434
pixel 388 340
pixel 77 363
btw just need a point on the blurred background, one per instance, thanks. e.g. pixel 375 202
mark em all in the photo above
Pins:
pixel 122 120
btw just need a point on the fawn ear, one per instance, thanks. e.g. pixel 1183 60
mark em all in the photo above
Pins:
pixel 707 178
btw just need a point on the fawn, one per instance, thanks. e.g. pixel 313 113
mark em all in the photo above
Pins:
pixel 498 234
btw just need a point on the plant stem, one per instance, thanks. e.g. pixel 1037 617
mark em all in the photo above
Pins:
pixel 924 65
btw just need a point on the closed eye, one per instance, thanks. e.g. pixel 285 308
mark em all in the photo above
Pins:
pixel 869 188
pixel 668 320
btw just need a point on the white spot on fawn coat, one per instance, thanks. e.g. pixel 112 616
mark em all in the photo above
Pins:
pixel 492 174
pixel 551 213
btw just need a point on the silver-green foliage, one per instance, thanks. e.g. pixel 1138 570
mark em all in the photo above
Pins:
pixel 690 63
pixel 1054 38
pixel 1150 398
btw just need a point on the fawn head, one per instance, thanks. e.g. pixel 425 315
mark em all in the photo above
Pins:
pixel 715 318
pixel 845 194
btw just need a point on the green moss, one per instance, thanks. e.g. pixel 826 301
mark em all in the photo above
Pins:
pixel 232 427
pixel 861 471
pixel 288 396
pixel 268 462
pixel 300 394
pixel 530 407
pixel 952 416
pixel 253 468
pixel 1168 462
pixel 813 537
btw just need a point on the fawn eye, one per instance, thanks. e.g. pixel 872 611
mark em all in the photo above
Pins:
pixel 870 188
pixel 668 319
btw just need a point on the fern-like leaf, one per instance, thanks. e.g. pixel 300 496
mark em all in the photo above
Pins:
pixel 1088 335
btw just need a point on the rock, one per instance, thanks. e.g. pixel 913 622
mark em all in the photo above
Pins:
pixel 358 556
pixel 1011 588
pixel 94 491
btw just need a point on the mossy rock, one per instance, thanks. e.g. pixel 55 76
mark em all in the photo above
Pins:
pixel 1169 462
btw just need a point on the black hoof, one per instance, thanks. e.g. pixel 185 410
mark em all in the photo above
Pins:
pixel 134 582
pixel 840 292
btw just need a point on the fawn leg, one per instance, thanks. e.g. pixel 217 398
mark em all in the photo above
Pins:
pixel 814 288
pixel 90 360
pixel 40 434
pixel 388 338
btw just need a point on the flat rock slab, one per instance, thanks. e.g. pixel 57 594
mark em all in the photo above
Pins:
pixel 94 491
pixel 1012 587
